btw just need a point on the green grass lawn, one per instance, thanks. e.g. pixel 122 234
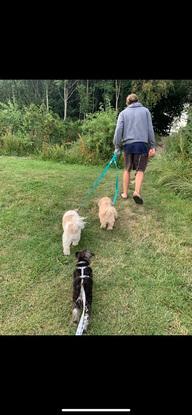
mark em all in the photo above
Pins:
pixel 142 269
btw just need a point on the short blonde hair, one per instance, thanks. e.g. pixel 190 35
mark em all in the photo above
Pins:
pixel 131 98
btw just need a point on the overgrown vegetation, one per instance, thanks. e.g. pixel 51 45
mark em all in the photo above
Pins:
pixel 29 130
pixel 74 99
pixel 174 167
pixel 33 130
pixel 97 135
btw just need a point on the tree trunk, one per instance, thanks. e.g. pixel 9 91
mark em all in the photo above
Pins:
pixel 93 100
pixel 65 99
pixel 47 95
pixel 117 91
pixel 13 92
pixel 87 95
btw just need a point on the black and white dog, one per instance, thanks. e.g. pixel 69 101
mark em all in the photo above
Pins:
pixel 82 274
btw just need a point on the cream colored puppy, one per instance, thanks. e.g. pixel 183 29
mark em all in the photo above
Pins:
pixel 107 213
pixel 72 226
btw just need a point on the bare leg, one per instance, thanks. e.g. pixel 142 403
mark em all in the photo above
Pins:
pixel 126 180
pixel 138 182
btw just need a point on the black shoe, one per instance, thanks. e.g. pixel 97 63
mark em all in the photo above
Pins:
pixel 138 199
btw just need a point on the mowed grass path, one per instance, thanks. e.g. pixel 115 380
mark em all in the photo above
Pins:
pixel 142 269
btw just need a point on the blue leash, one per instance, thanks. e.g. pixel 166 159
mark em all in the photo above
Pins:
pixel 116 182
pixel 101 177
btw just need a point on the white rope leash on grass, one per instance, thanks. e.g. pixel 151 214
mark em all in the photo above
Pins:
pixel 80 327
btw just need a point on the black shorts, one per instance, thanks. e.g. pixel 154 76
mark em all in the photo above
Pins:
pixel 136 162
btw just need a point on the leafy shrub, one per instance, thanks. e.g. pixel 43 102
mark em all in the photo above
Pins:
pixel 34 125
pixel 97 133
pixel 10 118
pixel 42 126
pixel 34 130
pixel 71 129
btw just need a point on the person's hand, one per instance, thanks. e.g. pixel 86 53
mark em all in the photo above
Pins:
pixel 117 152
pixel 152 152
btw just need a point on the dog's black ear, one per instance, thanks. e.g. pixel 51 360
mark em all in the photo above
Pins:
pixel 76 254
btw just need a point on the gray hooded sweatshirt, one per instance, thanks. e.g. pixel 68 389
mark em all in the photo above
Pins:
pixel 134 124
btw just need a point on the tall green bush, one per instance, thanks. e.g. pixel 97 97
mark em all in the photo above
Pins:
pixel 33 126
pixel 98 131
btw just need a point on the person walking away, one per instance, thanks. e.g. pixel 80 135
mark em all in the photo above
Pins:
pixel 134 134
